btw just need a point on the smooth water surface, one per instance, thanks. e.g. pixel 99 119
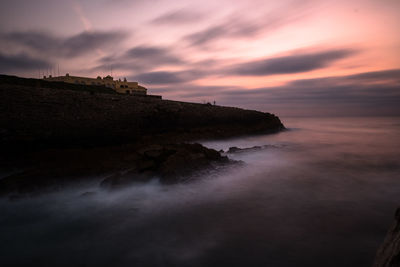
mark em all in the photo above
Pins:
pixel 322 193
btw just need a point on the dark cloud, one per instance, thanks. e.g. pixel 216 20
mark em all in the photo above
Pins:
pixel 141 59
pixel 144 59
pixel 370 93
pixel 391 76
pixel 37 41
pixel 343 95
pixel 73 46
pixel 21 62
pixel 289 64
pixel 237 26
pixel 168 77
pixel 159 55
pixel 230 29
pixel 190 91
pixel 159 77
pixel 87 41
pixel 177 17
pixel 206 35
pixel 385 75
pixel 334 100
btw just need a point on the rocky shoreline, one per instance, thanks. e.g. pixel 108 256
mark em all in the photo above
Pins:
pixel 54 135
pixel 388 254
pixel 49 170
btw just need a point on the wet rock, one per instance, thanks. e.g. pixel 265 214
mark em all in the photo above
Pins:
pixel 388 254
pixel 120 179
pixel 171 164
pixel 88 194
pixel 151 151
pixel 235 149
pixel 145 164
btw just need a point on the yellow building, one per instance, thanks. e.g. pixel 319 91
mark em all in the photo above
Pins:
pixel 123 87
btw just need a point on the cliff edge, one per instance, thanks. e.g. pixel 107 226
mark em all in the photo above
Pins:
pixel 51 135
pixel 38 117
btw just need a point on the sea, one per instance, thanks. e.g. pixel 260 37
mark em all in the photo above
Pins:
pixel 321 193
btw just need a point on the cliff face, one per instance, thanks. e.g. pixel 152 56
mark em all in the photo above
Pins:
pixel 52 136
pixel 33 117
pixel 389 253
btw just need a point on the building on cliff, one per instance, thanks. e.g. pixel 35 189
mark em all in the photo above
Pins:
pixel 123 87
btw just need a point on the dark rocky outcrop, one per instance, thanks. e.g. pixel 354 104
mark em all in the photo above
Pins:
pixel 37 118
pixel 234 149
pixel 171 163
pixel 389 253
pixel 52 134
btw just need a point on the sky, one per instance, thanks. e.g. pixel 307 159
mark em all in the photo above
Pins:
pixel 288 57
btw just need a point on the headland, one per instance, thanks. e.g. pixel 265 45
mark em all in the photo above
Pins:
pixel 56 129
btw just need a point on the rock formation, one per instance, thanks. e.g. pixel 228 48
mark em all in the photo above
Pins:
pixel 389 253
pixel 170 163
pixel 56 133
pixel 32 117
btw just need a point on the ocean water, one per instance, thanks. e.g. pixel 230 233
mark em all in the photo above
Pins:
pixel 322 193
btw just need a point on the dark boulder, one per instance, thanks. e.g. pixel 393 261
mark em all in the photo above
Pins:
pixel 170 163
pixel 52 170
pixel 235 149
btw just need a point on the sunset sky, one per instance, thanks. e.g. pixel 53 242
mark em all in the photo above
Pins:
pixel 288 57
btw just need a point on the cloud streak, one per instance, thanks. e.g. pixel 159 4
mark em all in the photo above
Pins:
pixel 142 58
pixel 158 55
pixel 357 94
pixel 149 58
pixel 159 77
pixel 21 62
pixel 176 17
pixel 237 26
pixel 83 18
pixel 73 46
pixel 289 64
pixel 169 77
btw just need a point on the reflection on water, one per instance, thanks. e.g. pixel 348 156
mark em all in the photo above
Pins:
pixel 323 194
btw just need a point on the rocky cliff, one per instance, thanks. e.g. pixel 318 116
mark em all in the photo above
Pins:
pixel 50 134
pixel 45 117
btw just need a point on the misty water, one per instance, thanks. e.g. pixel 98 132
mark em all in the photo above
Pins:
pixel 322 193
